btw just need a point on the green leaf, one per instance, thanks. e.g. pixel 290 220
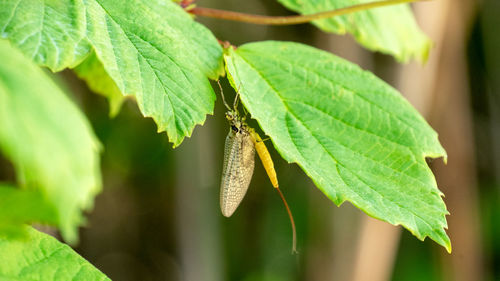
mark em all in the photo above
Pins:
pixel 42 257
pixel 48 139
pixel 52 33
pixel 353 134
pixel 19 207
pixel 391 30
pixel 98 80
pixel 152 49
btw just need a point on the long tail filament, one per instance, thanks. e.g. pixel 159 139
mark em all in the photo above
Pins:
pixel 294 241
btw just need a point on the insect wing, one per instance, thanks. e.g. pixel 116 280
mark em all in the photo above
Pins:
pixel 239 161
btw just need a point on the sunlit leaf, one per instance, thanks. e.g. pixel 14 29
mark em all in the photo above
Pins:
pixel 50 32
pixel 42 257
pixel 98 80
pixel 154 51
pixel 354 135
pixel 47 138
pixel 391 30
pixel 151 49
pixel 19 207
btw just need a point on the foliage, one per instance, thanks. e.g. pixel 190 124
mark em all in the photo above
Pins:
pixel 354 135
pixel 92 71
pixel 42 257
pixel 157 54
pixel 390 30
pixel 18 209
pixel 47 138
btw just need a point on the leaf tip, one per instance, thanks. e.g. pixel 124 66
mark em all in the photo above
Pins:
pixel 425 51
pixel 69 234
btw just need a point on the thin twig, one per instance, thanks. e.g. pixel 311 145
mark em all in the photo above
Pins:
pixel 289 20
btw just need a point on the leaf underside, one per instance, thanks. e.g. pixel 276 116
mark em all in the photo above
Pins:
pixel 159 55
pixel 92 71
pixel 353 134
pixel 391 30
pixel 151 49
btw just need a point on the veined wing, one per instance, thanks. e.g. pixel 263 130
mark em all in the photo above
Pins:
pixel 239 160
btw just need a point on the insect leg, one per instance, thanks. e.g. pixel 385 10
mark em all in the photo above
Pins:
pixel 235 104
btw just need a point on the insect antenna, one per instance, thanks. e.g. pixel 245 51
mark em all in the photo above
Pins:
pixel 222 95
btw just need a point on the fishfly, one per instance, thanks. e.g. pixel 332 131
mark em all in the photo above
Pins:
pixel 239 153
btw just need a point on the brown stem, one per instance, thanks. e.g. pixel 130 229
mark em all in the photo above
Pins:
pixel 289 20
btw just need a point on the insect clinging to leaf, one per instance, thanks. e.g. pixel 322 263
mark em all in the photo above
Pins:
pixel 239 160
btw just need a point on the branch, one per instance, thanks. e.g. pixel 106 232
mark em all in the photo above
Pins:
pixel 289 20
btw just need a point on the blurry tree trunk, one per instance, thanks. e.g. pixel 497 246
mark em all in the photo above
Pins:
pixel 197 221
pixel 377 247
pixel 445 77
pixel 451 116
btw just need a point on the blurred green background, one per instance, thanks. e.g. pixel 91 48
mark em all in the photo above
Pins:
pixel 158 217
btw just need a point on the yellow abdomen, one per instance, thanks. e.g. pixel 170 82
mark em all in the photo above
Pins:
pixel 265 157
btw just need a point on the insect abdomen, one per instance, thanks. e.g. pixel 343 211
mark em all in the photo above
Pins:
pixel 265 157
pixel 239 155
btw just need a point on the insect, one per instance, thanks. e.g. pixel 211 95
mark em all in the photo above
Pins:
pixel 239 153
pixel 239 162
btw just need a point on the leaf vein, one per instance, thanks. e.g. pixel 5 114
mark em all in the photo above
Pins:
pixel 10 17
